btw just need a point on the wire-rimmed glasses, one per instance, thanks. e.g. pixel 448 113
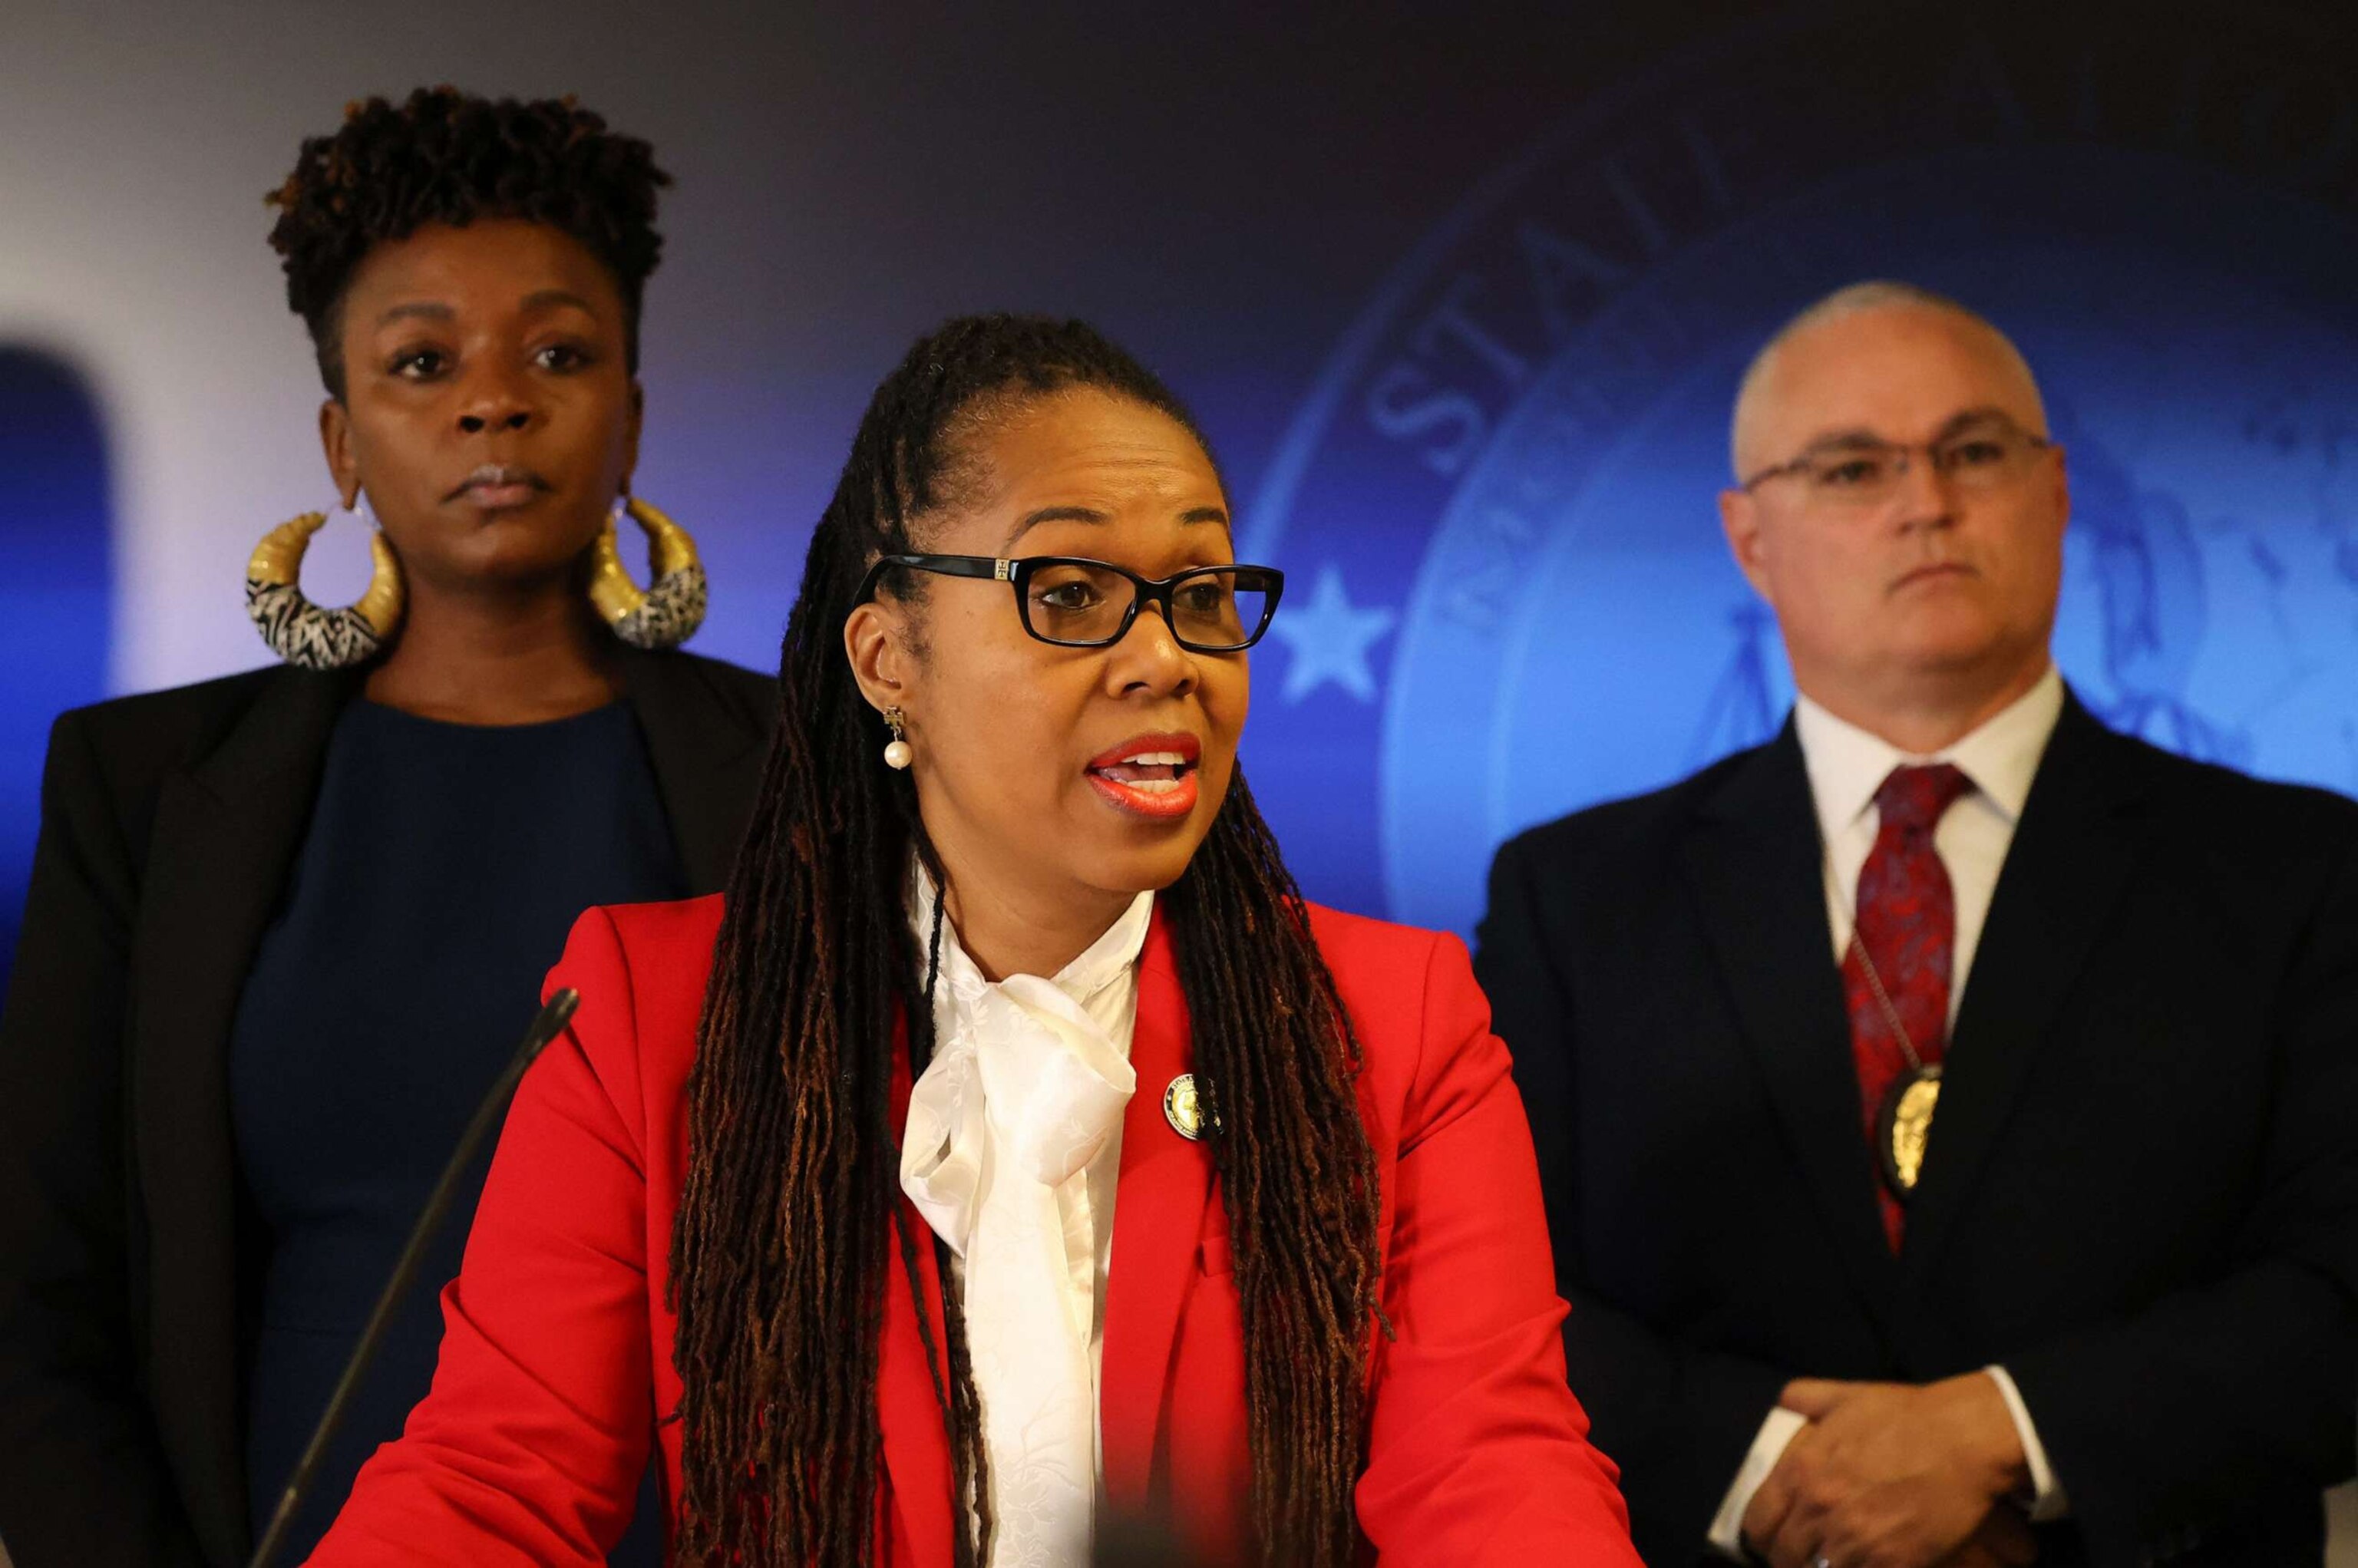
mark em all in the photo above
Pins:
pixel 1980 453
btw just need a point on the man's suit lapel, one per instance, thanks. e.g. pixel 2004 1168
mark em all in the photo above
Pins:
pixel 2073 852
pixel 706 756
pixel 1754 861
pixel 1165 1185
pixel 224 837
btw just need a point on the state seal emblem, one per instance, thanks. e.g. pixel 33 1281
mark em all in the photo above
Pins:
pixel 1500 497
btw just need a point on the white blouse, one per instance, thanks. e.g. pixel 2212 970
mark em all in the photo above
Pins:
pixel 1012 1151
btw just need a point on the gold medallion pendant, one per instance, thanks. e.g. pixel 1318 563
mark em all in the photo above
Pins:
pixel 1903 1125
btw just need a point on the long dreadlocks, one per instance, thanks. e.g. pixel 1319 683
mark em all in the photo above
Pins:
pixel 790 1215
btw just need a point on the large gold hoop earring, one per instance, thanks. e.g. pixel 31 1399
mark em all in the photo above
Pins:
pixel 299 631
pixel 667 612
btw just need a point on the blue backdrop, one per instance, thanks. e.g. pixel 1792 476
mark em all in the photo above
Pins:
pixel 1500 495
pixel 1480 416
pixel 55 533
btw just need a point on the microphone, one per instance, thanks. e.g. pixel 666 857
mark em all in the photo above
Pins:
pixel 545 1027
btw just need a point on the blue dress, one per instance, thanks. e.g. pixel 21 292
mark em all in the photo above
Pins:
pixel 442 867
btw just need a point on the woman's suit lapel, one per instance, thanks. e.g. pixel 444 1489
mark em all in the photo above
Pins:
pixel 1164 1186
pixel 912 1372
pixel 225 834
pixel 1158 1220
pixel 706 753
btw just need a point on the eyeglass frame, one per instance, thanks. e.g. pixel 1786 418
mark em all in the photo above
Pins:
pixel 1905 451
pixel 1017 572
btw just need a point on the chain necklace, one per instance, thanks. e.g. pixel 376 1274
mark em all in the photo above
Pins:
pixel 1903 1120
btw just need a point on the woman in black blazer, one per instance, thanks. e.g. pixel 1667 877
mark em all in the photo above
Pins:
pixel 284 927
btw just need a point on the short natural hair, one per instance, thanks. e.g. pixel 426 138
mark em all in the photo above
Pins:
pixel 1852 299
pixel 447 156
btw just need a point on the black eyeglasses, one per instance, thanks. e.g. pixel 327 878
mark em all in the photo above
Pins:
pixel 1075 602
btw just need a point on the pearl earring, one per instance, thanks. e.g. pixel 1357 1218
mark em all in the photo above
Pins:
pixel 896 752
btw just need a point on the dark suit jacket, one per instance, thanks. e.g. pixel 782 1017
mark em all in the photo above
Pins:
pixel 168 823
pixel 2141 1194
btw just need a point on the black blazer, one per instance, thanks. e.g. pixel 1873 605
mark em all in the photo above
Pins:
pixel 169 823
pixel 2141 1194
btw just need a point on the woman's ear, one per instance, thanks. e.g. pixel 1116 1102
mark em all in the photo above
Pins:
pixel 630 434
pixel 336 442
pixel 875 639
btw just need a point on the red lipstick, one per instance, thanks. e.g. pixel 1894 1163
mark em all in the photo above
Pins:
pixel 1151 775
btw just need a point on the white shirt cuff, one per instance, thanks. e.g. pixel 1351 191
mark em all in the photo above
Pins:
pixel 2047 1499
pixel 1767 1447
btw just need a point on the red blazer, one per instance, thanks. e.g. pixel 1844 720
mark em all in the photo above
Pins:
pixel 557 1370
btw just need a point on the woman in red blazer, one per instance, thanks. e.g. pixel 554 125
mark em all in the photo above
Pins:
pixel 808 1198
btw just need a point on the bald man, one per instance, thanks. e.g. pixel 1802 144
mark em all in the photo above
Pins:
pixel 1948 1111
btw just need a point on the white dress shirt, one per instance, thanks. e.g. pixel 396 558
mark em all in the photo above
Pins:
pixel 1846 765
pixel 1012 1152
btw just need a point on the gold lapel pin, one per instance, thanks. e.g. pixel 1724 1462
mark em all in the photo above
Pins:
pixel 1181 1108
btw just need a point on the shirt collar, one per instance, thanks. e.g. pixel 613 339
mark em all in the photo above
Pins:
pixel 1847 764
pixel 1099 965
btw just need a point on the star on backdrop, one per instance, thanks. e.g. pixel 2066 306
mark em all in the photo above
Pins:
pixel 1329 639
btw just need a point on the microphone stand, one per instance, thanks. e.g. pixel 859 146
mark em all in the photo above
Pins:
pixel 545 1027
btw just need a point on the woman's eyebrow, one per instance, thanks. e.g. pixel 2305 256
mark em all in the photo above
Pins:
pixel 1055 515
pixel 1091 515
pixel 438 310
pixel 543 299
pixel 428 309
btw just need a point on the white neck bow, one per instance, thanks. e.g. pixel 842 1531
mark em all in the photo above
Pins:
pixel 1028 1079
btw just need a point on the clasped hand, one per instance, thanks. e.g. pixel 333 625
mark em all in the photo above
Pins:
pixel 1893 1475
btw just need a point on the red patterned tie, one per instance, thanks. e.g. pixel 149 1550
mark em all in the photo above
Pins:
pixel 1908 923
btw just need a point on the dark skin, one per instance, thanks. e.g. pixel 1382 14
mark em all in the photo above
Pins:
pixel 495 353
pixel 1003 726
